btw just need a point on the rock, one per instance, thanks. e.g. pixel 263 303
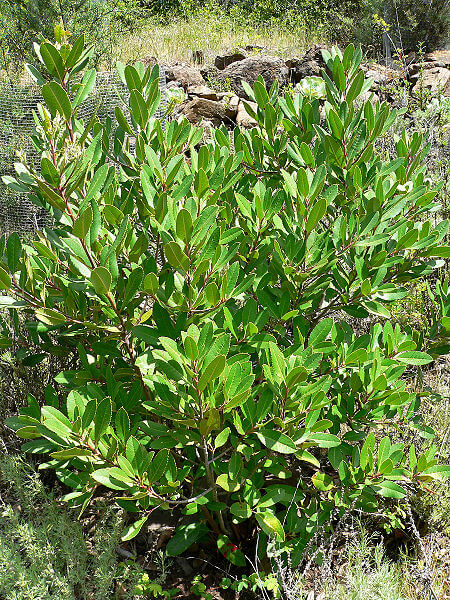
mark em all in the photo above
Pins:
pixel 201 109
pixel 174 85
pixel 380 74
pixel 439 56
pixel 221 62
pixel 269 67
pixel 436 80
pixel 202 91
pixel 231 104
pixel 185 74
pixel 368 96
pixel 243 119
pixel 311 64
pixel 415 69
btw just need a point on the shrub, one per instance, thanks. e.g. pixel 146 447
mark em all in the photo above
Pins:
pixel 201 292
pixel 410 24
pixel 25 21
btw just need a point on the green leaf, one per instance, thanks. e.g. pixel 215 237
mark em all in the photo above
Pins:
pixel 276 441
pixel 414 357
pixel 71 453
pixel 184 537
pixel 45 251
pixel 190 347
pixel 241 510
pixel 121 120
pixel 158 466
pixel 228 484
pixel 133 284
pixel 96 183
pixel 230 551
pixel 50 317
pixel 290 183
pixel 101 279
pixel 151 283
pixel 122 423
pixel 376 308
pixel 320 331
pixel 184 225
pixel 138 108
pixel 13 251
pixel 112 478
pixel 325 440
pixel 390 489
pixel 5 280
pixel 367 450
pixel 52 60
pixel 270 525
pixel 212 371
pixel 83 223
pixel 57 100
pixel 35 75
pixel 307 155
pixel 102 418
pixel 132 530
pixel 75 52
pixel 442 252
pixel 322 481
pixel 52 197
pixel 278 361
pixel 86 87
pixel 56 421
pixel 222 438
pixel 316 213
pixel 175 256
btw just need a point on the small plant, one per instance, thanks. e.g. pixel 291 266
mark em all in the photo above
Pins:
pixel 220 85
pixel 151 588
pixel 198 588
pixel 175 96
pixel 197 291
pixel 254 583
pixel 312 88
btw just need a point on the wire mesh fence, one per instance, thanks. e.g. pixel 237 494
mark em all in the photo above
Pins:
pixel 17 104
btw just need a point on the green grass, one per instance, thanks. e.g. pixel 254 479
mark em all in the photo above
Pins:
pixel 213 31
pixel 44 553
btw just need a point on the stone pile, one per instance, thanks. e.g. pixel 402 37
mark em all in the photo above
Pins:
pixel 215 95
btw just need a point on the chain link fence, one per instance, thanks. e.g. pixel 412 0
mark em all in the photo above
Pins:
pixel 17 104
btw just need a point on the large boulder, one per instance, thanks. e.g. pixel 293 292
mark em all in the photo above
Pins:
pixel 202 91
pixel 439 58
pixel 435 80
pixel 201 109
pixel 310 65
pixel 185 74
pixel 271 68
pixel 224 61
pixel 381 75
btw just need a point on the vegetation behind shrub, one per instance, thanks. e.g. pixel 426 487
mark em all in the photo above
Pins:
pixel 23 22
pixel 199 287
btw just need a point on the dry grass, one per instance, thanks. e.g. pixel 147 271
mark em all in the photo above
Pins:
pixel 213 33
